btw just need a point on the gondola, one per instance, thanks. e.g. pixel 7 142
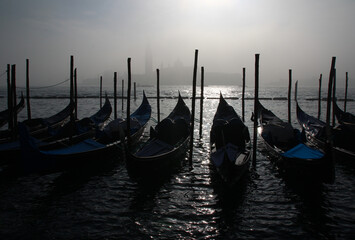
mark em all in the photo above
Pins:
pixel 166 145
pixel 105 144
pixel 4 115
pixel 229 144
pixel 86 126
pixel 344 133
pixel 341 136
pixel 285 146
pixel 81 129
pixel 346 118
pixel 38 127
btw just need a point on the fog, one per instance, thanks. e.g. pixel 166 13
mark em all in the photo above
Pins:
pixel 101 35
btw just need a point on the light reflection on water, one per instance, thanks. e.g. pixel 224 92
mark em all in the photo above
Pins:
pixel 105 202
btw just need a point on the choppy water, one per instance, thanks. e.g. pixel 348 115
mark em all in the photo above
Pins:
pixel 104 202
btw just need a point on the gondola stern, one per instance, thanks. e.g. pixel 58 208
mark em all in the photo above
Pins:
pixel 145 99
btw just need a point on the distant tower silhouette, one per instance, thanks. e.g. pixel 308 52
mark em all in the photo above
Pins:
pixel 148 61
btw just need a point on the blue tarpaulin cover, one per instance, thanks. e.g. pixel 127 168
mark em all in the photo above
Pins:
pixel 230 150
pixel 83 146
pixel 304 152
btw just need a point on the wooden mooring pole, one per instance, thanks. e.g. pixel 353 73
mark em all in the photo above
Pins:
pixel 76 93
pixel 14 102
pixel 193 108
pixel 28 89
pixel 100 91
pixel 346 90
pixel 72 117
pixel 334 97
pixel 9 98
pixel 134 87
pixel 201 99
pixel 128 118
pixel 289 94
pixel 243 96
pixel 158 95
pixel 320 95
pixel 296 89
pixel 256 97
pixel 122 95
pixel 115 94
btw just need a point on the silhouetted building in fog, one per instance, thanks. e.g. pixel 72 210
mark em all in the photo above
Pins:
pixel 177 74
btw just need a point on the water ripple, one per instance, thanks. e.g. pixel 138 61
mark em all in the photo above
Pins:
pixel 107 203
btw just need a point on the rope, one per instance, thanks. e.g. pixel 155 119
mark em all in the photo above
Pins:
pixel 156 121
pixel 47 86
pixel 2 74
pixel 153 119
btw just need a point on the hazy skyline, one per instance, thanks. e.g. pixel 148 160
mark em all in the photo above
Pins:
pixel 101 35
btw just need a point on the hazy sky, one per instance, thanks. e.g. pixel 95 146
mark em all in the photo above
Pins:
pixel 302 35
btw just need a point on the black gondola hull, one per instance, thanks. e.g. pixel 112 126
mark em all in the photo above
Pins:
pixel 167 145
pixel 231 173
pixel 229 136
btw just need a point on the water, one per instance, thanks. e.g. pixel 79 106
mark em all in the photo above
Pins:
pixel 104 202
